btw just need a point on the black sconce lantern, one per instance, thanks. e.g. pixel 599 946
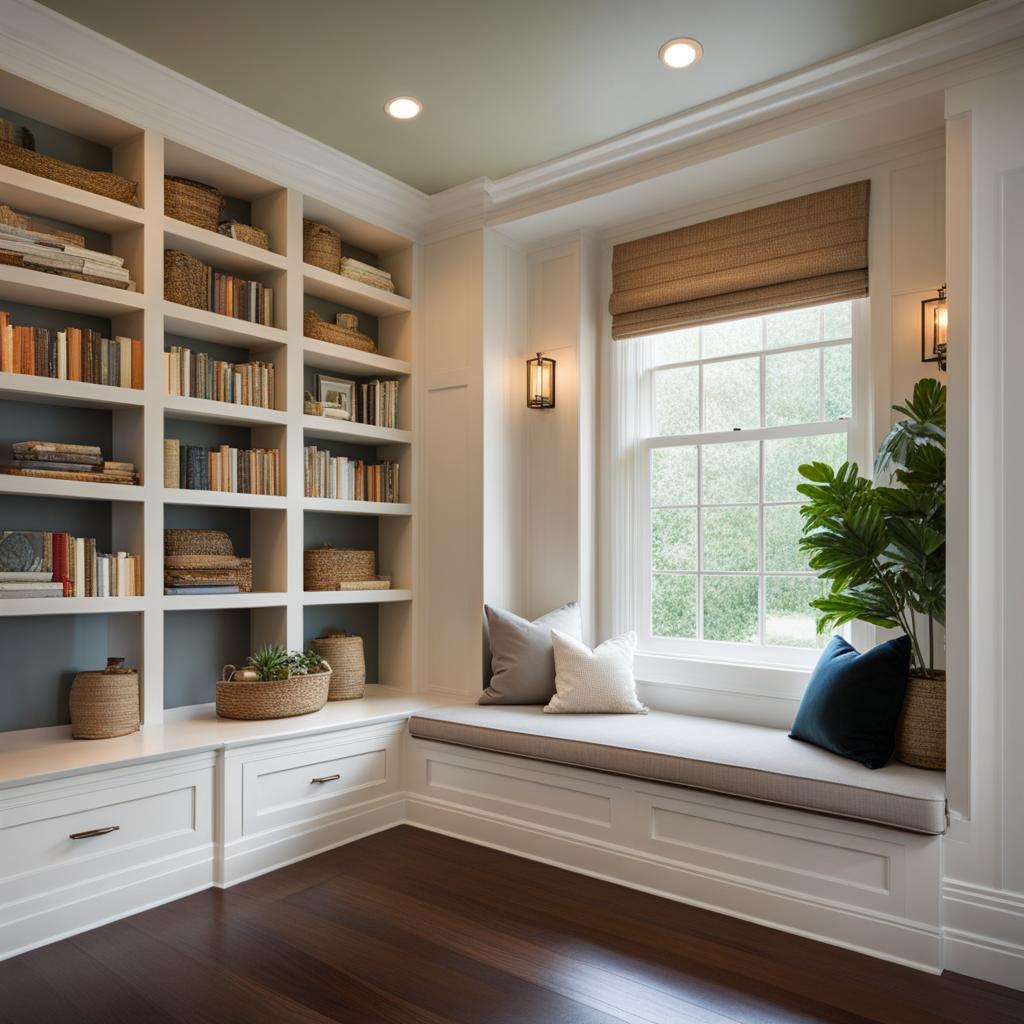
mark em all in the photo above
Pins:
pixel 934 328
pixel 540 383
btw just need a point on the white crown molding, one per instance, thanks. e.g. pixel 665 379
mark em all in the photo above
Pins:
pixel 42 46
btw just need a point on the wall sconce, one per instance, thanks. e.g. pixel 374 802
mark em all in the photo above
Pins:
pixel 540 383
pixel 934 327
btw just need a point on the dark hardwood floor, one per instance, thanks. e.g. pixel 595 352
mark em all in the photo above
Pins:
pixel 407 927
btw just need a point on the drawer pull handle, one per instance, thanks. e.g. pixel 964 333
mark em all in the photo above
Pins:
pixel 326 778
pixel 94 832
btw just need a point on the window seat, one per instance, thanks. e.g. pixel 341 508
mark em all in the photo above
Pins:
pixel 749 761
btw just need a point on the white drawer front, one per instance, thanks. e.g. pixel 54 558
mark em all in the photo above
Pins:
pixel 282 789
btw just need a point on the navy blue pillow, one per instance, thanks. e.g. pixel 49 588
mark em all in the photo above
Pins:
pixel 852 703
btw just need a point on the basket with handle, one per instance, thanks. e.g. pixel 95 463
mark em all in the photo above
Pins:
pixel 276 698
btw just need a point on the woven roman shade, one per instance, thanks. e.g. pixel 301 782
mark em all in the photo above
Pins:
pixel 800 252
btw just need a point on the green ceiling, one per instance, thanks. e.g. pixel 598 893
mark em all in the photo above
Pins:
pixel 504 85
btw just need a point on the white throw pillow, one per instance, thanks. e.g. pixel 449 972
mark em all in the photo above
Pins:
pixel 595 682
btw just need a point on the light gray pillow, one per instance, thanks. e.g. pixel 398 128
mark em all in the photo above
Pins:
pixel 522 658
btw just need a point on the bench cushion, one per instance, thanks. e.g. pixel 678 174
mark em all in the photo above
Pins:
pixel 748 761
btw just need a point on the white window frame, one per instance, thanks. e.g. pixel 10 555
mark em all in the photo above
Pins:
pixel 856 433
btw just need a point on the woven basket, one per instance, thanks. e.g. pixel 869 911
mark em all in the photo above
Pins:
pixel 180 542
pixel 101 183
pixel 185 280
pixel 374 583
pixel 321 330
pixel 193 202
pixel 105 704
pixel 921 734
pixel 321 246
pixel 12 219
pixel 325 568
pixel 284 698
pixel 245 233
pixel 348 665
pixel 6 131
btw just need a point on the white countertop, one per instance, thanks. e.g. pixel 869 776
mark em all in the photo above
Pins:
pixel 35 755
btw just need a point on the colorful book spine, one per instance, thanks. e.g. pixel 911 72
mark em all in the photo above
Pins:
pixel 338 477
pixel 196 375
pixel 226 469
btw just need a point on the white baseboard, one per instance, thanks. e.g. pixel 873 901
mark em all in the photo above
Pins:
pixel 983 933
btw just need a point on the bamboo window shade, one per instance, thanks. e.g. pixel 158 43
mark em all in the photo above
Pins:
pixel 799 252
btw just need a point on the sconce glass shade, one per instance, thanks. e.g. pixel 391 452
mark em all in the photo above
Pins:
pixel 934 329
pixel 540 383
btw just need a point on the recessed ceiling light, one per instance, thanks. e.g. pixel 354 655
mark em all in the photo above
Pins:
pixel 403 107
pixel 680 53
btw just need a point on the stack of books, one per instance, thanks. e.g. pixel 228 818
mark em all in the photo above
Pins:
pixel 75 353
pixel 335 476
pixel 60 461
pixel 42 564
pixel 61 254
pixel 377 403
pixel 366 274
pixel 197 375
pixel 241 299
pixel 236 470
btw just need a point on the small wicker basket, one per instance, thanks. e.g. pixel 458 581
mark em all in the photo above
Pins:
pixel 105 704
pixel 101 183
pixel 280 698
pixel 182 542
pixel 327 567
pixel 245 233
pixel 321 246
pixel 344 654
pixel 193 202
pixel 185 280
pixel 921 733
pixel 321 330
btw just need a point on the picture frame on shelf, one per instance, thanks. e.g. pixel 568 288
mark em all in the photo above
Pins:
pixel 336 395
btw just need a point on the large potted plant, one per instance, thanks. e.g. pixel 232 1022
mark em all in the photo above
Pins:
pixel 882 549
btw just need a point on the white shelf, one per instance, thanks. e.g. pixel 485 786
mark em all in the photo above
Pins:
pixel 314 597
pixel 206 410
pixel 34 288
pixel 352 294
pixel 203 325
pixel 339 359
pixel 28 193
pixel 357 433
pixel 357 508
pixel 222 499
pixel 219 251
pixel 70 605
pixel 23 387
pixel 210 602
pixel 82 490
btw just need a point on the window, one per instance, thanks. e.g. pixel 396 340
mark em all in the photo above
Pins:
pixel 726 415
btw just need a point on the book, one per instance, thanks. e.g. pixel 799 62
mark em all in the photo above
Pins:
pixel 330 476
pixel 25 577
pixel 197 375
pixel 236 470
pixel 64 566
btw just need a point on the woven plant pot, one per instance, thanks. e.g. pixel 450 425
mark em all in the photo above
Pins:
pixel 105 704
pixel 185 280
pixel 284 698
pixel 321 246
pixel 181 542
pixel 193 202
pixel 245 233
pixel 325 568
pixel 321 330
pixel 921 733
pixel 100 183
pixel 348 664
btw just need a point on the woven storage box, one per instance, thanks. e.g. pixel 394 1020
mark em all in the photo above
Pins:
pixel 185 280
pixel 245 575
pixel 284 698
pixel 921 734
pixel 6 131
pixel 348 665
pixel 325 568
pixel 105 704
pixel 245 233
pixel 193 202
pixel 197 542
pixel 321 330
pixel 321 246
pixel 101 183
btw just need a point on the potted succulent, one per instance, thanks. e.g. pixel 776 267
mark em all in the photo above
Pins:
pixel 882 549
pixel 275 683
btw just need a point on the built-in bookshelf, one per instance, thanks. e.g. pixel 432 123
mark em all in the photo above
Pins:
pixel 180 642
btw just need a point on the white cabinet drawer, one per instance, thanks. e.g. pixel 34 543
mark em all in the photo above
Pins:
pixel 317 779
